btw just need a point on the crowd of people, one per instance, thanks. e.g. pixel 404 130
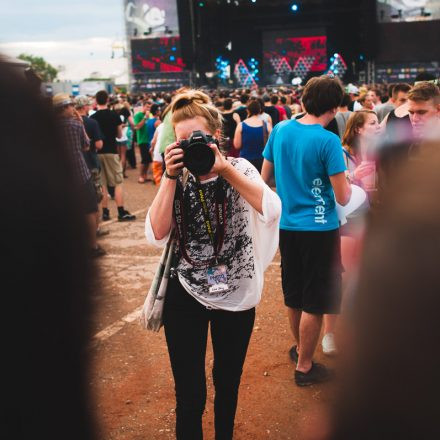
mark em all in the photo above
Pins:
pixel 313 171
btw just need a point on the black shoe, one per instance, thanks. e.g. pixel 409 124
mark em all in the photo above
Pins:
pixel 98 251
pixel 317 374
pixel 293 354
pixel 105 216
pixel 126 217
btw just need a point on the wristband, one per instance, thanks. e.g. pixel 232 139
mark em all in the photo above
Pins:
pixel 168 176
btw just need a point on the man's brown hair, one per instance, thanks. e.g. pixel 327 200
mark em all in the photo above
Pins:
pixel 101 97
pixel 424 91
pixel 322 94
pixel 400 87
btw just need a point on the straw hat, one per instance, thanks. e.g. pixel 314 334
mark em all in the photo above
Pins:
pixel 61 100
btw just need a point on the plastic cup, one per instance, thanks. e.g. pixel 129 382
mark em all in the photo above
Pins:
pixel 369 181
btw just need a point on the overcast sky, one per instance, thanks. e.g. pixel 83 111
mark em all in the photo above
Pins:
pixel 77 34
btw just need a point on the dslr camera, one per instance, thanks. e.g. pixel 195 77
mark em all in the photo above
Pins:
pixel 198 157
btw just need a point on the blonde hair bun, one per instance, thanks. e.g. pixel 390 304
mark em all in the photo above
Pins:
pixel 192 103
pixel 189 97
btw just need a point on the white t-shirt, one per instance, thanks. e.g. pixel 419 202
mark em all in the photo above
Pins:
pixel 264 117
pixel 157 157
pixel 251 241
pixel 124 137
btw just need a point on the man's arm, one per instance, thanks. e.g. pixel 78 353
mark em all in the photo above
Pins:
pixel 341 188
pixel 141 123
pixel 97 135
pixel 84 139
pixel 267 171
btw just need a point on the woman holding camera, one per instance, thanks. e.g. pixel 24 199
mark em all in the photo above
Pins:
pixel 226 225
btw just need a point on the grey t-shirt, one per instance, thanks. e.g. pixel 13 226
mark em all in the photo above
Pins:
pixel 341 120
pixel 383 109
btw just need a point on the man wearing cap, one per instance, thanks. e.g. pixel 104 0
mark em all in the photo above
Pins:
pixel 353 91
pixel 77 141
pixel 82 105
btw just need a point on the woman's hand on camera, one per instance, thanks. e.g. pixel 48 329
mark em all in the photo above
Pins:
pixel 221 163
pixel 173 159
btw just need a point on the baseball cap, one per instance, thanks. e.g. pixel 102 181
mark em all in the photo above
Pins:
pixel 81 101
pixel 61 100
pixel 351 88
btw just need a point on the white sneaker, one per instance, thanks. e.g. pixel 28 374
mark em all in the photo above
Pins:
pixel 328 344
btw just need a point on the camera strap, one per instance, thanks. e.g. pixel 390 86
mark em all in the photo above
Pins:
pixel 216 239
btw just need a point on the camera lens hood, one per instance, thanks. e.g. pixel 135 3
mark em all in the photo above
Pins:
pixel 198 158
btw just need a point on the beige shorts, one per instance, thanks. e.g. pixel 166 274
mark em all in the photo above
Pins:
pixel 111 170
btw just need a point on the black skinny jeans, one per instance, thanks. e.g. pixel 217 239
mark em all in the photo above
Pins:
pixel 186 324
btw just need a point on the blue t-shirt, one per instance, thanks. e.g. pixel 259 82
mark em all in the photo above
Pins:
pixel 304 156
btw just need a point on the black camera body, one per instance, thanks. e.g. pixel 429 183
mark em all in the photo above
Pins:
pixel 198 156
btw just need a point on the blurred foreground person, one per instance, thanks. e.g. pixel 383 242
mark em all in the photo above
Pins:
pixel 359 141
pixel 391 386
pixel 45 275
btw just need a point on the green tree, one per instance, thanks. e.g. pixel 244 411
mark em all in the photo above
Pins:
pixel 41 67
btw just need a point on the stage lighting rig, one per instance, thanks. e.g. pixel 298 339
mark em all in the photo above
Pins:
pixel 294 7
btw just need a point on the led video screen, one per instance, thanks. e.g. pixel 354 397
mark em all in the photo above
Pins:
pixel 156 55
pixel 407 10
pixel 293 56
pixel 407 72
pixel 150 15
pixel 160 82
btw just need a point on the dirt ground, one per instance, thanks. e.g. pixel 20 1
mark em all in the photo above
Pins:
pixel 131 378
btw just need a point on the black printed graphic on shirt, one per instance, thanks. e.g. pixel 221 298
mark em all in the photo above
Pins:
pixel 237 251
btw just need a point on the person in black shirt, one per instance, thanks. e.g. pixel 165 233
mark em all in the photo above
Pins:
pixel 288 110
pixel 271 110
pixel 231 119
pixel 242 109
pixel 93 131
pixel 111 168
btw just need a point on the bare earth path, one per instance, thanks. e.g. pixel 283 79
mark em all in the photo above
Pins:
pixel 132 381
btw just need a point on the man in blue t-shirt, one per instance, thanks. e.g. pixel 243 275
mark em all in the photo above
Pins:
pixel 309 169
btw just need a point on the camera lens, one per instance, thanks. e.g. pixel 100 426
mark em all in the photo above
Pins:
pixel 199 158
